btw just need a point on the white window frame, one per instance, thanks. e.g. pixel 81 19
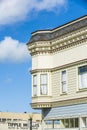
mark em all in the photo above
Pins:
pixel 79 77
pixel 34 85
pixel 63 82
pixel 44 86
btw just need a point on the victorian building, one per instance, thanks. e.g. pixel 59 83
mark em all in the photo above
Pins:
pixel 59 75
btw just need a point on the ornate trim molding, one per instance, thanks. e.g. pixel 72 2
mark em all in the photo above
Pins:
pixel 46 35
pixel 59 103
pixel 64 42
pixel 40 70
pixel 41 105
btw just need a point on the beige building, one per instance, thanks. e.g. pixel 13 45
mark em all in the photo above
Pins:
pixel 59 75
pixel 21 121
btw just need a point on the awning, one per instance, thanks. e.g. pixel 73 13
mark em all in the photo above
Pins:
pixel 66 112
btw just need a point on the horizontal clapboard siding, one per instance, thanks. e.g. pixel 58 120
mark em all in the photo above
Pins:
pixel 72 85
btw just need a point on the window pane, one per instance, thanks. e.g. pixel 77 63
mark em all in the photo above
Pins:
pixel 35 79
pixel 63 80
pixel 63 75
pixel 83 69
pixel 56 123
pixel 71 124
pixel 35 90
pixel 44 79
pixel 43 89
pixel 48 122
pixel 43 84
pixel 83 77
pixel 64 87
pixel 83 80
pixel 66 122
pixel 35 85
pixel 76 122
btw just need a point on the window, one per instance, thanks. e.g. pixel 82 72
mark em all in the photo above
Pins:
pixel 49 122
pixel 82 71
pixel 52 123
pixel 8 119
pixel 34 85
pixel 56 123
pixel 70 123
pixel 25 125
pixel 43 84
pixel 3 119
pixel 63 81
pixel 14 119
pixel 66 122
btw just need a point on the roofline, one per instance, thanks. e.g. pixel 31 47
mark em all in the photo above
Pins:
pixel 59 27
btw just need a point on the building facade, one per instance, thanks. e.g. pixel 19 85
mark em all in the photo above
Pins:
pixel 21 121
pixel 59 75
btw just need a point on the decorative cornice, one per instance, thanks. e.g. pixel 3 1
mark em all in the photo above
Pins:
pixel 84 61
pixel 62 30
pixel 41 70
pixel 41 105
pixel 58 44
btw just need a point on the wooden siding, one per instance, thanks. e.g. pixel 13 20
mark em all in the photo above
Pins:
pixel 73 91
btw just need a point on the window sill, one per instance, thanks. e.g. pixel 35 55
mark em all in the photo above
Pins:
pixel 64 93
pixel 81 90
pixel 38 96
pixel 35 96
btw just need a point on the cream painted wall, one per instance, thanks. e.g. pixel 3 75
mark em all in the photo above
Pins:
pixel 34 62
pixel 69 55
pixel 42 61
pixel 4 126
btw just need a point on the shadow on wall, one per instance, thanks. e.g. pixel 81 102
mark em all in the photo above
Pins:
pixel 46 111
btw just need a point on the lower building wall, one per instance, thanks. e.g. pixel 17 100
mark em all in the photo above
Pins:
pixel 3 127
pixel 66 117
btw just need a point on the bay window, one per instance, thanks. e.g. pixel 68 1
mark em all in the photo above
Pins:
pixel 82 71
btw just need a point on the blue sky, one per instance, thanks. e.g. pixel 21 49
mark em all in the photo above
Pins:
pixel 18 19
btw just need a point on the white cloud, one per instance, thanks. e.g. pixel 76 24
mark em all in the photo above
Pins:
pixel 13 51
pixel 50 5
pixel 17 10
